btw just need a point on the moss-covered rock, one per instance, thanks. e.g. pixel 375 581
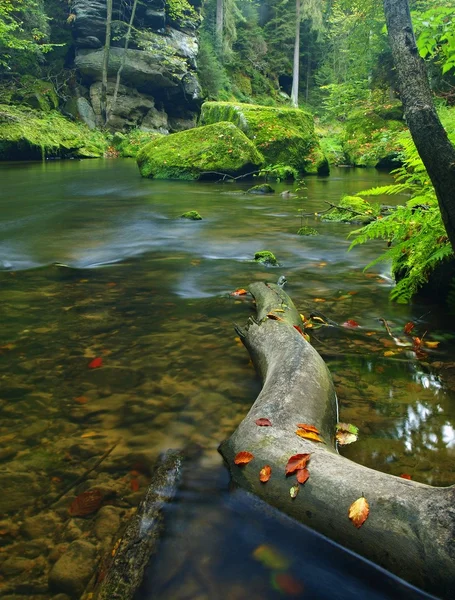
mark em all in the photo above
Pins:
pixel 35 93
pixel 129 144
pixel 283 135
pixel 200 152
pixel 27 134
pixel 266 258
pixel 307 231
pixel 192 215
pixel 353 209
pixel 263 188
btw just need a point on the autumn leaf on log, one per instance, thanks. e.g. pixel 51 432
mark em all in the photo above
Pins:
pixel 309 435
pixel 405 476
pixel 274 317
pixel 303 475
pixel 294 491
pixel 239 292
pixel 359 511
pixel 346 433
pixel 350 323
pixel 299 329
pixel 86 503
pixel 307 427
pixel 243 458
pixel 263 422
pixel 297 462
pixel 265 473
pixel 96 363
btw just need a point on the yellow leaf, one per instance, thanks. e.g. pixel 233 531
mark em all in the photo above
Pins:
pixel 389 353
pixel 294 491
pixel 309 435
pixel 431 344
pixel 89 434
pixel 318 300
pixel 359 511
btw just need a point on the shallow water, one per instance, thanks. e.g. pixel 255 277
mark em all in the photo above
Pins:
pixel 150 294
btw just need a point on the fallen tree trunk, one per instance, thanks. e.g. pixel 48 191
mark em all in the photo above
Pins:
pixel 132 552
pixel 411 526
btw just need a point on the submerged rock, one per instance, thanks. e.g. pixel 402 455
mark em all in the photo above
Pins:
pixel 263 188
pixel 72 571
pixel 307 231
pixel 204 151
pixel 266 257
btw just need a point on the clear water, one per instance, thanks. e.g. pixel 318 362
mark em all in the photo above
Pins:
pixel 149 293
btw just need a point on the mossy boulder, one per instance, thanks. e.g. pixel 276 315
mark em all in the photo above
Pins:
pixel 129 144
pixel 27 134
pixel 283 135
pixel 263 188
pixel 201 152
pixel 35 93
pixel 353 209
pixel 266 258
pixel 192 215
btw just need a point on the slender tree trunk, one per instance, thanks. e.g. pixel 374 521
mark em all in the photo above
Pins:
pixel 295 68
pixel 308 76
pixel 122 63
pixel 219 26
pixel 107 47
pixel 430 137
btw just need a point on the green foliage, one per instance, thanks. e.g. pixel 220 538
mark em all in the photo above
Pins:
pixel 417 241
pixel 181 12
pixel 279 172
pixel 266 258
pixel 353 209
pixel 435 35
pixel 191 215
pixel 212 74
pixel 129 144
pixel 308 231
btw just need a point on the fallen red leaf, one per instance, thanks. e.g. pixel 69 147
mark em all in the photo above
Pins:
pixel 309 435
pixel 307 427
pixel 302 475
pixel 239 292
pixel 134 484
pixel 296 462
pixel 350 323
pixel 86 503
pixel 405 476
pixel 287 584
pixel 408 327
pixel 359 511
pixel 265 473
pixel 96 363
pixel 299 329
pixel 263 422
pixel 243 458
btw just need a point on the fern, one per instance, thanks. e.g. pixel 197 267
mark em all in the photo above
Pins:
pixel 415 232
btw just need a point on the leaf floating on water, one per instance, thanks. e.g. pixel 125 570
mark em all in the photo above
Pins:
pixel 265 473
pixel 405 476
pixel 86 503
pixel 263 422
pixel 239 292
pixel 318 299
pixel 243 458
pixel 351 323
pixel 347 427
pixel 294 491
pixel 359 511
pixel 346 433
pixel 296 462
pixel 96 363
pixel 303 475
pixel 89 434
pixel 309 435
pixel 408 327
pixel 389 353
pixel 307 427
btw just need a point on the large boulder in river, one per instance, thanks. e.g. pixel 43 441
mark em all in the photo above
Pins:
pixel 200 152
pixel 283 135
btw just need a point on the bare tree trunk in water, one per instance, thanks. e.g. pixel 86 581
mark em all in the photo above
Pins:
pixel 107 47
pixel 122 64
pixel 295 68
pixel 430 137
pixel 219 26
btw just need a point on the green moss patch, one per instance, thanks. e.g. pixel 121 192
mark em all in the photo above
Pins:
pixel 282 135
pixel 28 134
pixel 353 209
pixel 307 231
pixel 266 258
pixel 263 188
pixel 129 144
pixel 192 215
pixel 201 152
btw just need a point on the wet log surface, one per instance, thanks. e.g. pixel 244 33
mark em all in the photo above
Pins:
pixel 411 526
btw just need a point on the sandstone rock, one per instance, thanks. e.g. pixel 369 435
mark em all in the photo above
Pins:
pixel 19 489
pixel 86 112
pixel 40 525
pixel 107 522
pixel 72 571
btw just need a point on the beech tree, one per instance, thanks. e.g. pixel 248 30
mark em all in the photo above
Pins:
pixel 428 134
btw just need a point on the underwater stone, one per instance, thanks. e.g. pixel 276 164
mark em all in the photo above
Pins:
pixel 307 231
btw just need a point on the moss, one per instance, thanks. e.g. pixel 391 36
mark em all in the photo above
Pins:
pixel 356 210
pixel 200 152
pixel 35 93
pixel 27 134
pixel 129 144
pixel 266 258
pixel 263 188
pixel 192 215
pixel 307 231
pixel 283 135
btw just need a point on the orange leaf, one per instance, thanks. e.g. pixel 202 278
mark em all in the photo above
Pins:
pixel 309 435
pixel 95 363
pixel 86 503
pixel 350 323
pixel 307 427
pixel 274 317
pixel 81 400
pixel 263 422
pixel 408 327
pixel 299 329
pixel 359 511
pixel 431 344
pixel 134 484
pixel 265 473
pixel 239 292
pixel 405 476
pixel 297 462
pixel 318 300
pixel 243 458
pixel 302 475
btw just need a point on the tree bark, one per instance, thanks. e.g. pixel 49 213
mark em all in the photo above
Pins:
pixel 295 67
pixel 125 572
pixel 107 47
pixel 219 26
pixel 430 137
pixel 411 526
pixel 122 63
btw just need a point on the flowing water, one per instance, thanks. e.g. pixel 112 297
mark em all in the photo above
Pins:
pixel 96 264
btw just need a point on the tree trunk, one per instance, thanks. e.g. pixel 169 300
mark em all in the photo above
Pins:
pixel 124 574
pixel 430 137
pixel 295 67
pixel 107 47
pixel 122 63
pixel 411 526
pixel 219 26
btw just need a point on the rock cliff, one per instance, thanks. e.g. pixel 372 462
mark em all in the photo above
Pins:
pixel 159 87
